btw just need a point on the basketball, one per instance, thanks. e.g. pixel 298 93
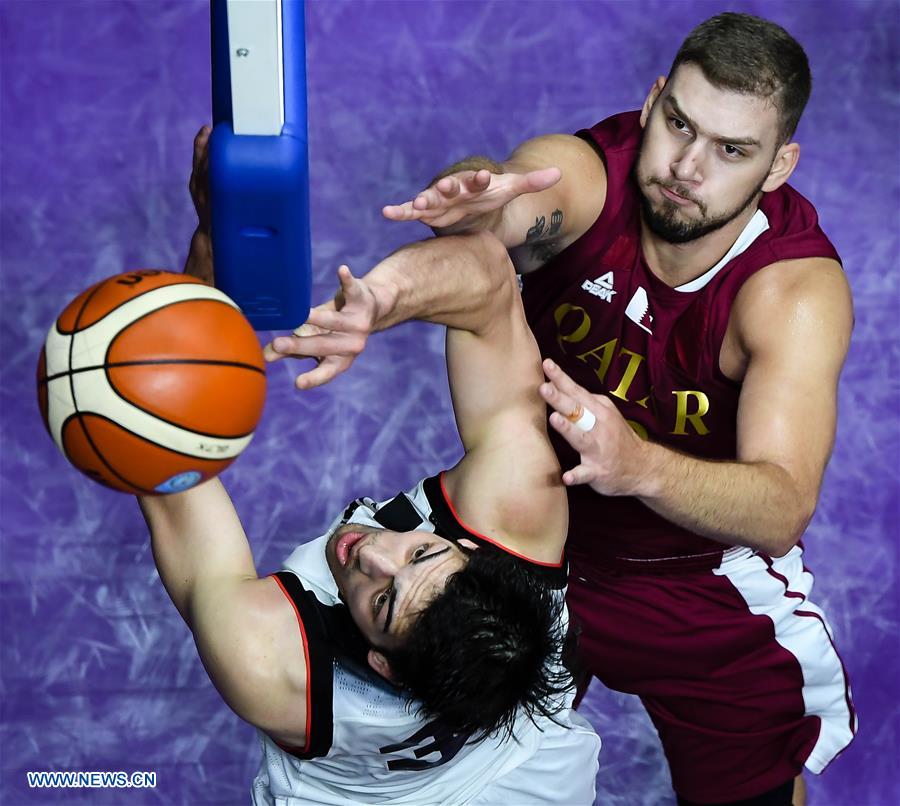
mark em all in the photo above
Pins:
pixel 151 382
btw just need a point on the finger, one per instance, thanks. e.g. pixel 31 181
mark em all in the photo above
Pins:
pixel 200 141
pixel 326 319
pixel 449 186
pixel 329 369
pixel 270 353
pixel 577 438
pixel 297 347
pixel 307 329
pixel 310 346
pixel 564 383
pixel 481 180
pixel 426 200
pixel 581 474
pixel 326 344
pixel 536 181
pixel 560 401
pixel 473 182
pixel 283 347
pixel 401 212
pixel 351 287
pixel 566 386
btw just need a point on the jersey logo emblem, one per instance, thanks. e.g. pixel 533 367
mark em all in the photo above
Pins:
pixel 638 310
pixel 601 287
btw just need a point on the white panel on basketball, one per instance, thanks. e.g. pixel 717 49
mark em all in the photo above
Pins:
pixel 91 344
pixel 56 350
pixel 60 406
pixel 94 394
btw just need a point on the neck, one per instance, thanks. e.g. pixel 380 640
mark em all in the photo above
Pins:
pixel 677 264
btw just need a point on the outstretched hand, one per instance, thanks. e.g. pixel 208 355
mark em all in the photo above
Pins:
pixel 334 334
pixel 469 194
pixel 614 459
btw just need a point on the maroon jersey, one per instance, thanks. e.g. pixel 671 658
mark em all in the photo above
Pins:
pixel 601 314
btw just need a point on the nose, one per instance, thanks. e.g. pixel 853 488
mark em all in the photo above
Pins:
pixel 376 561
pixel 686 165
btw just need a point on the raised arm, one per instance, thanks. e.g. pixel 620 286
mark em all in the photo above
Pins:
pixel 548 193
pixel 240 623
pixel 508 485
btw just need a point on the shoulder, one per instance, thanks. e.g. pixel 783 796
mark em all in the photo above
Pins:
pixel 808 298
pixel 543 224
pixel 577 158
pixel 618 133
pixel 569 148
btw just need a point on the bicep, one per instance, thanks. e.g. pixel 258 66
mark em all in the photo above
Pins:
pixel 494 374
pixel 248 638
pixel 194 534
pixel 788 404
pixel 508 486
pixel 536 226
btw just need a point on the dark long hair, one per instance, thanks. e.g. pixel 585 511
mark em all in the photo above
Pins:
pixel 488 645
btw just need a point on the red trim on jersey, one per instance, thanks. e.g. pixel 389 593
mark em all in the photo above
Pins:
pixel 491 540
pixel 306 746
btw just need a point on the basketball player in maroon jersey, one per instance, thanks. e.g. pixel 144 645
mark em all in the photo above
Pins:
pixel 688 303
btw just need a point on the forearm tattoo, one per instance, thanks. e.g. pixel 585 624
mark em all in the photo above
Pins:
pixel 541 238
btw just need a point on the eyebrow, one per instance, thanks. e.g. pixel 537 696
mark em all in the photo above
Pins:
pixel 390 610
pixel 393 597
pixel 737 141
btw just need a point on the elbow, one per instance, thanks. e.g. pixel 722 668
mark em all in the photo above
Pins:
pixel 499 270
pixel 793 527
pixel 782 544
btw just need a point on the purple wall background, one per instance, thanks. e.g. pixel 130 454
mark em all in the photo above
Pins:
pixel 99 103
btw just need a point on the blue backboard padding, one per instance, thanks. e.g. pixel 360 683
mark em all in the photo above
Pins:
pixel 260 190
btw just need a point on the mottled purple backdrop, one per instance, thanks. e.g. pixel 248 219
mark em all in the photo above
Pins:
pixel 100 101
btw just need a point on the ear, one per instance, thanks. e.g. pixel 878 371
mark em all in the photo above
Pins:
pixel 468 543
pixel 381 665
pixel 655 90
pixel 786 159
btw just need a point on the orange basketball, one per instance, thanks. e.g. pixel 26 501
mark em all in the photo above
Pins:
pixel 151 382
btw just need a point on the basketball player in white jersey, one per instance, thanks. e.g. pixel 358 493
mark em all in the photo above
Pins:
pixel 451 594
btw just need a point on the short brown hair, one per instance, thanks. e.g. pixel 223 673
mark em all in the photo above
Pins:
pixel 751 55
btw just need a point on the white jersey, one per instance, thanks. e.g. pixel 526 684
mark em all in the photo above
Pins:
pixel 365 743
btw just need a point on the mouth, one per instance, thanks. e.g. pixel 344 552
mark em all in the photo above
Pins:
pixel 345 545
pixel 672 196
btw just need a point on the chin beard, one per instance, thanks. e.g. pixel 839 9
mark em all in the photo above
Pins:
pixel 665 223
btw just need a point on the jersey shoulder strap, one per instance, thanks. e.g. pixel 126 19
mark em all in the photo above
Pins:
pixel 328 634
pixel 447 524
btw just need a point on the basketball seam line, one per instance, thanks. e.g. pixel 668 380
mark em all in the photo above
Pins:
pixel 157 416
pixel 160 307
pixel 154 361
pixel 156 444
pixel 77 414
pixel 125 302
